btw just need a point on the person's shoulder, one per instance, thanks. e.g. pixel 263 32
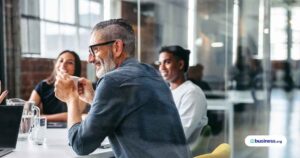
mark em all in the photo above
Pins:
pixel 191 85
pixel 41 83
pixel 115 76
pixel 132 69
pixel 137 68
pixel 44 84
pixel 193 88
pixel 133 64
pixel 43 87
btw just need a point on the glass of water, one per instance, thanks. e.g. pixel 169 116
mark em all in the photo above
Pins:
pixel 38 133
pixel 30 111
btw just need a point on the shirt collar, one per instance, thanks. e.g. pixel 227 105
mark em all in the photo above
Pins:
pixel 125 62
pixel 128 61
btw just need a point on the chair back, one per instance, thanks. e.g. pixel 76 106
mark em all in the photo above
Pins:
pixel 222 151
pixel 202 143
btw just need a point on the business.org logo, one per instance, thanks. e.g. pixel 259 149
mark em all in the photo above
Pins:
pixel 265 140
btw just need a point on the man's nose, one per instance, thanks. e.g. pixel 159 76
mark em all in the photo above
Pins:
pixel 161 67
pixel 91 58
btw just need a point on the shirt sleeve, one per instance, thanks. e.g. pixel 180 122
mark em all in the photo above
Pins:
pixel 39 88
pixel 193 111
pixel 110 105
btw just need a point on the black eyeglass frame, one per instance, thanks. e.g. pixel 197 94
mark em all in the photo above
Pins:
pixel 99 44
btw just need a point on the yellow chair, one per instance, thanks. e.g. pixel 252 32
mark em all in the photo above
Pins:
pixel 222 151
pixel 201 147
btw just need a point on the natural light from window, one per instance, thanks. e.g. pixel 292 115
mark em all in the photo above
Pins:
pixel 278 34
pixel 295 23
pixel 57 25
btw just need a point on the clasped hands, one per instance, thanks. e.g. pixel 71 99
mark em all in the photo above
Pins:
pixel 66 90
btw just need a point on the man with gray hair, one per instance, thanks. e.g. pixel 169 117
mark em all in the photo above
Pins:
pixel 132 105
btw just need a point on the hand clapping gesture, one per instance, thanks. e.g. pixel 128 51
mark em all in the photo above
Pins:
pixel 3 94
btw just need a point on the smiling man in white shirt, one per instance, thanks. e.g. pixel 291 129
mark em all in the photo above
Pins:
pixel 189 98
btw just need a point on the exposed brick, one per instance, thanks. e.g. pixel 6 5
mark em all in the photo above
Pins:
pixel 33 70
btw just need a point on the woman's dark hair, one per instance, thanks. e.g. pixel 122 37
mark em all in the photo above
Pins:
pixel 77 72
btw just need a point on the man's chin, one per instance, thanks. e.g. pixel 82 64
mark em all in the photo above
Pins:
pixel 100 72
pixel 165 78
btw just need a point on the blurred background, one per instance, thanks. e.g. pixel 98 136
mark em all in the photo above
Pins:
pixel 245 55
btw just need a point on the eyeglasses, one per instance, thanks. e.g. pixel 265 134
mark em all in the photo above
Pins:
pixel 92 48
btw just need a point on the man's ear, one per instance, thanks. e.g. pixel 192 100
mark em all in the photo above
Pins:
pixel 181 65
pixel 118 48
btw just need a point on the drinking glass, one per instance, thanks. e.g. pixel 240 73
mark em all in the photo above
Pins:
pixel 30 111
pixel 38 133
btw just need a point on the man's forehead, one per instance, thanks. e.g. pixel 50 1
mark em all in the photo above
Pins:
pixel 96 37
pixel 166 55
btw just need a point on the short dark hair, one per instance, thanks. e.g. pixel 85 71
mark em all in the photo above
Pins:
pixel 179 52
pixel 118 29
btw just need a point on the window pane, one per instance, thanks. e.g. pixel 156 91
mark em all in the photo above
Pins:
pixel 90 12
pixel 33 7
pixel 278 18
pixel 295 36
pixel 42 9
pixel 278 34
pixel 295 55
pixel 51 39
pixel 84 35
pixel 50 35
pixel 24 7
pixel 84 13
pixel 34 36
pixel 69 37
pixel 30 7
pixel 67 11
pixel 278 52
pixel 295 18
pixel 95 9
pixel 51 10
pixel 24 35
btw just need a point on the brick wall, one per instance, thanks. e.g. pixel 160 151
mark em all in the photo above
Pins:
pixel 33 70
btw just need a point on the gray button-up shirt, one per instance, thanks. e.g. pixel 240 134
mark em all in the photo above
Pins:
pixel 133 106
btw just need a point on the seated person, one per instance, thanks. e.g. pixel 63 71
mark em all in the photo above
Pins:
pixel 195 74
pixel 189 98
pixel 132 105
pixel 43 94
pixel 3 94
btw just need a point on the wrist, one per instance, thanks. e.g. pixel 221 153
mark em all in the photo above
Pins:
pixel 90 101
pixel 92 97
pixel 74 114
pixel 73 100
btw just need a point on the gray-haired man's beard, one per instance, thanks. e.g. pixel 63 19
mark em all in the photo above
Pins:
pixel 106 66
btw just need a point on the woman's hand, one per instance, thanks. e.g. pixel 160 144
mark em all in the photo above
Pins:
pixel 3 94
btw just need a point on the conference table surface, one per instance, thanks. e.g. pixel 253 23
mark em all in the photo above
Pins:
pixel 56 145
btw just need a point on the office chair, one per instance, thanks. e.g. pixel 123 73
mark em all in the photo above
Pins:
pixel 222 151
pixel 201 146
